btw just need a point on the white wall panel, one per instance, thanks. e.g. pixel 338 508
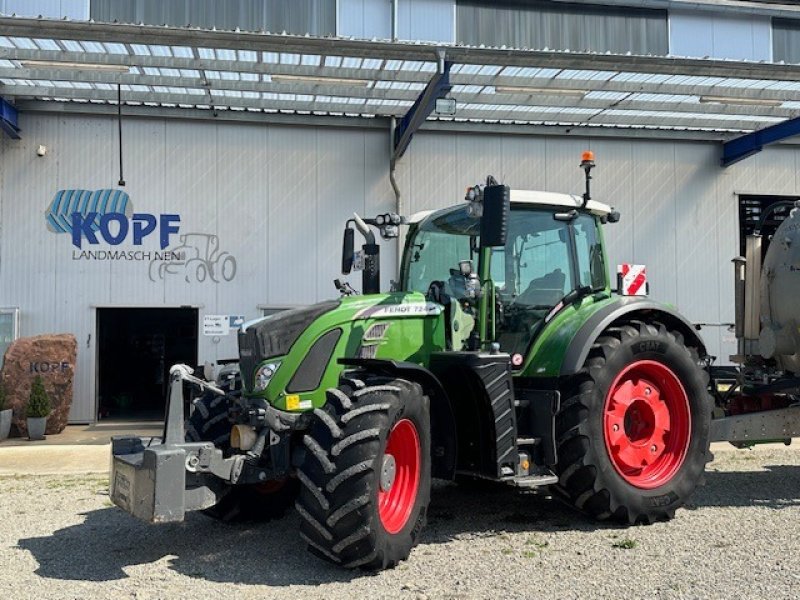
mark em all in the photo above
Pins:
pixel 718 35
pixel 73 9
pixel 613 183
pixel 434 180
pixel 293 216
pixel 426 20
pixel 696 167
pixel 654 216
pixel 365 19
pixel 243 164
pixel 145 171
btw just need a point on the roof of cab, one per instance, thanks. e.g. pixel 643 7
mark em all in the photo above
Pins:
pixel 556 199
pixel 540 199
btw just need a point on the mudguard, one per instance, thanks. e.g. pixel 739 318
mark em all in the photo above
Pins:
pixel 629 307
pixel 443 428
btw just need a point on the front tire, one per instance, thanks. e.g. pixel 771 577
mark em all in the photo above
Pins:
pixel 634 428
pixel 365 480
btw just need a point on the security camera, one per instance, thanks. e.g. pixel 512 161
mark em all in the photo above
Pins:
pixel 41 150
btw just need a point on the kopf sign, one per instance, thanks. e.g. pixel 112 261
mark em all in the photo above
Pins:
pixel 142 224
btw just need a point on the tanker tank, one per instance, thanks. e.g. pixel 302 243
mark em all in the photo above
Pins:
pixel 780 296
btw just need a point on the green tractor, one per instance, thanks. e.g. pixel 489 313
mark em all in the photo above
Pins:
pixel 502 355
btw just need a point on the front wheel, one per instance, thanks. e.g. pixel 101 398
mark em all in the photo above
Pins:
pixel 366 476
pixel 634 428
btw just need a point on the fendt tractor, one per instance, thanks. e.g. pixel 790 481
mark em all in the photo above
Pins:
pixel 501 355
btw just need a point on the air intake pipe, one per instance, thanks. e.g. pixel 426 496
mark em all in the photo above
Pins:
pixel 371 276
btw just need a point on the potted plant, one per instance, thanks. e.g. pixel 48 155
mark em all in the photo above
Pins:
pixel 38 410
pixel 5 414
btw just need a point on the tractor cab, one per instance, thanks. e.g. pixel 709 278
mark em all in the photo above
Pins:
pixel 552 256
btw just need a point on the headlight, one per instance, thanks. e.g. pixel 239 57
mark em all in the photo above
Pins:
pixel 263 376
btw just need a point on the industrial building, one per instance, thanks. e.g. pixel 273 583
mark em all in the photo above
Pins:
pixel 222 146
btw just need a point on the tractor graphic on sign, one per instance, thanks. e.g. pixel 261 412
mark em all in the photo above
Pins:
pixel 198 258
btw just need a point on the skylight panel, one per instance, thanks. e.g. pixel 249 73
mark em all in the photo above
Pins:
pixel 182 51
pixel 158 50
pixel 115 48
pixel 140 50
pixel 23 43
pixel 46 44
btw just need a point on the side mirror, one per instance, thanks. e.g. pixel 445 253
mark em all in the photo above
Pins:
pixel 494 222
pixel 348 250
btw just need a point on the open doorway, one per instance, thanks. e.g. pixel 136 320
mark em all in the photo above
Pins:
pixel 754 213
pixel 136 347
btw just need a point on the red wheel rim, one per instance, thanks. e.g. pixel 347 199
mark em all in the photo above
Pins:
pixel 399 476
pixel 647 424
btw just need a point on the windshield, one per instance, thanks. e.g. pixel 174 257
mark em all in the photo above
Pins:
pixel 436 250
pixel 532 273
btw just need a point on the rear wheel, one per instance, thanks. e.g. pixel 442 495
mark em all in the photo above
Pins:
pixel 261 502
pixel 365 479
pixel 633 430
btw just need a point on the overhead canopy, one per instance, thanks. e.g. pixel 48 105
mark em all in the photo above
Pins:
pixel 71 61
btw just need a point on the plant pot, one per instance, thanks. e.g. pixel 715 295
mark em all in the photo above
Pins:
pixel 36 427
pixel 5 423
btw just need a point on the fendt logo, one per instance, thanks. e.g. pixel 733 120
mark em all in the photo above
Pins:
pixel 106 215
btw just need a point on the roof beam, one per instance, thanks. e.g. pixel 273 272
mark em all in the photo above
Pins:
pixel 568 115
pixel 747 145
pixel 438 87
pixel 172 36
pixel 8 120
pixel 614 84
pixel 235 66
pixel 196 90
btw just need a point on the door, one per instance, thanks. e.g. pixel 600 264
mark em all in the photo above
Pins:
pixel 136 348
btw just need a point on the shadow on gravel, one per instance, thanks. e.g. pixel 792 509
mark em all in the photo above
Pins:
pixel 110 541
pixel 778 486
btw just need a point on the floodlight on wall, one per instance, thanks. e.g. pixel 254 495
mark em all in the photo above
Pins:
pixel 518 89
pixel 739 101
pixel 445 107
pixel 73 66
pixel 318 80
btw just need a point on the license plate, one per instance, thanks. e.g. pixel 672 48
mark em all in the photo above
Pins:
pixel 122 487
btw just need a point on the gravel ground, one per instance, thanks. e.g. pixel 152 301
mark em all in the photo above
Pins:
pixel 61 538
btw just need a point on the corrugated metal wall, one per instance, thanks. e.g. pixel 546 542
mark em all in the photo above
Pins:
pixel 317 17
pixel 557 26
pixel 278 196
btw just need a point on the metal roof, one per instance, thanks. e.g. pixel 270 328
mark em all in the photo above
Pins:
pixel 84 62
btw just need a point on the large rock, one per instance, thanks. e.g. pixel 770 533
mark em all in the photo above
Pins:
pixel 51 356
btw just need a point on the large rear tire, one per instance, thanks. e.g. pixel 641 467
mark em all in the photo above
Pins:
pixel 365 480
pixel 634 427
pixel 261 502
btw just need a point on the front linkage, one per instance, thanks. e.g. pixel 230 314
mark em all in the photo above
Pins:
pixel 158 480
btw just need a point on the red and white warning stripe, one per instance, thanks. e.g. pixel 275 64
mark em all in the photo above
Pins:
pixel 633 280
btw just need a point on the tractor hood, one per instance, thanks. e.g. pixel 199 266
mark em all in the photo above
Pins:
pixel 274 336
pixel 306 344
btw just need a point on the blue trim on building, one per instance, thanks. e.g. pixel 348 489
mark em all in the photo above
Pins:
pixel 752 143
pixel 438 87
pixel 8 120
